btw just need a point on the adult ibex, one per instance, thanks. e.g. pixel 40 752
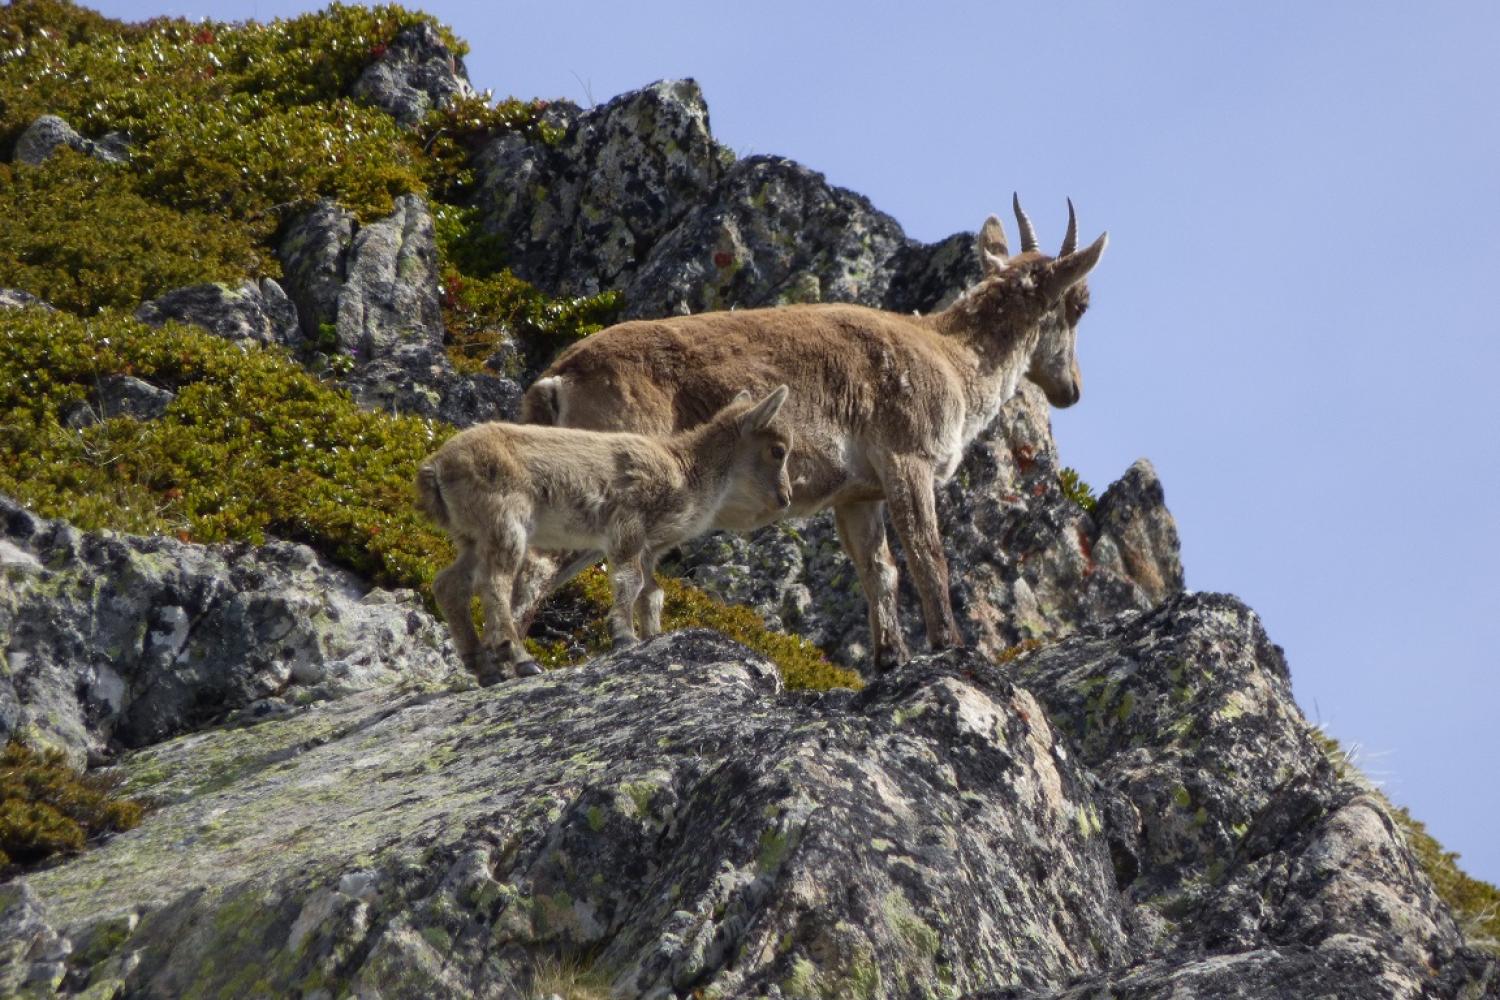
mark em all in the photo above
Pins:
pixel 499 488
pixel 883 403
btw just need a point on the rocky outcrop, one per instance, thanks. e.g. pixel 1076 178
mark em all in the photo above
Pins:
pixel 421 380
pixel 256 312
pixel 114 641
pixel 415 74
pixel 1137 810
pixel 639 198
pixel 14 298
pixel 50 133
pixel 582 216
pixel 119 396
pixel 364 290
pixel 771 232
pixel 1026 561
pixel 370 294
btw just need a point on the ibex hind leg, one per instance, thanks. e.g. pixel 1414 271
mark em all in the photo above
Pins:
pixel 500 557
pixel 452 588
pixel 648 606
pixel 540 576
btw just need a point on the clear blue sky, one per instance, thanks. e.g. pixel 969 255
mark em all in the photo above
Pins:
pixel 1291 321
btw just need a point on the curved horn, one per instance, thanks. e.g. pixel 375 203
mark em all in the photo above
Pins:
pixel 1028 234
pixel 1070 241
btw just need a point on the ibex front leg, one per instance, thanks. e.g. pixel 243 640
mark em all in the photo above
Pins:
pixel 862 531
pixel 626 582
pixel 908 491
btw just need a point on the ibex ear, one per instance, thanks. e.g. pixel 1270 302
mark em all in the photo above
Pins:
pixel 991 247
pixel 743 396
pixel 759 418
pixel 1065 272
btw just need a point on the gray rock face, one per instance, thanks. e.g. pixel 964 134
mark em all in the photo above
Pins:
pixel 120 396
pixel 414 75
pixel 48 133
pixel 1025 561
pixel 638 197
pixel 580 218
pixel 1140 812
pixel 1254 865
pixel 370 293
pixel 112 640
pixel 419 380
pixel 14 298
pixel 257 312
pixel 364 290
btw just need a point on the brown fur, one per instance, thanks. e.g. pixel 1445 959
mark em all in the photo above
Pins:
pixel 883 403
pixel 499 488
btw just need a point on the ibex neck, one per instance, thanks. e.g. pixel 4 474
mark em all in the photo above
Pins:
pixel 703 453
pixel 987 340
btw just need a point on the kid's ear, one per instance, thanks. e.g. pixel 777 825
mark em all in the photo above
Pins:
pixel 759 418
pixel 743 396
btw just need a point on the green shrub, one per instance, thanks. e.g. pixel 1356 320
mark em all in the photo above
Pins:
pixel 79 234
pixel 102 74
pixel 251 159
pixel 252 446
pixel 47 808
pixel 1076 490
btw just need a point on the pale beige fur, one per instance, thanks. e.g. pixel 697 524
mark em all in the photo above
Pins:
pixel 498 488
pixel 883 403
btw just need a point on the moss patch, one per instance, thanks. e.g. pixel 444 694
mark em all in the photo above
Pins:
pixel 47 808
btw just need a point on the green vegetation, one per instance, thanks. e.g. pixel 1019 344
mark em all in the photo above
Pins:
pixel 802 664
pixel 252 446
pixel 47 808
pixel 81 234
pixel 1076 490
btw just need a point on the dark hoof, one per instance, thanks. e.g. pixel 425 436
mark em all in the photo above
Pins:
pixel 624 642
pixel 528 668
pixel 488 668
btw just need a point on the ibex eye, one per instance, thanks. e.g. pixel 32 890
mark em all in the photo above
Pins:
pixel 778 452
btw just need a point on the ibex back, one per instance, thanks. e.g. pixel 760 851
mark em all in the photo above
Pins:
pixel 883 403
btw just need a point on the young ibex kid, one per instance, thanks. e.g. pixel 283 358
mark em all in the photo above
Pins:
pixel 498 489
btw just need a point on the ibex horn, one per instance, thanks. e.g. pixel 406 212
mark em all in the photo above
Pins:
pixel 1028 234
pixel 1070 241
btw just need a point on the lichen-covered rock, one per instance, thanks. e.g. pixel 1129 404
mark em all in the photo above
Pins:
pixel 580 217
pixel 364 290
pixel 771 232
pixel 1025 561
pixel 415 74
pixel 49 133
pixel 1254 865
pixel 639 198
pixel 112 640
pixel 256 312
pixel 1141 812
pixel 664 811
pixel 120 396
